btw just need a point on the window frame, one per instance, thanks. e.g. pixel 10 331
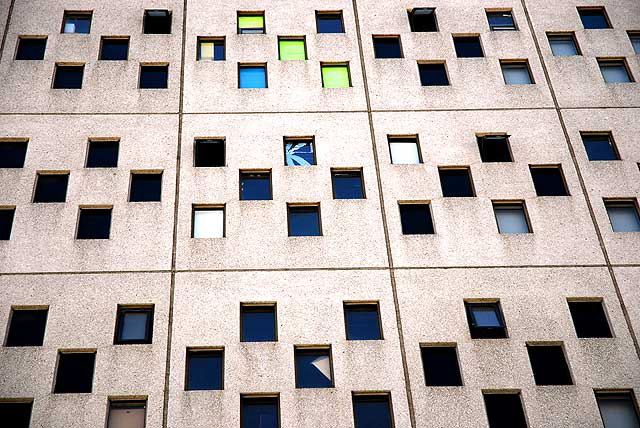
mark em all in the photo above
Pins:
pixel 620 61
pixel 343 170
pixel 344 64
pixel 371 395
pixel 263 65
pixel 291 140
pixel 249 13
pixel 302 39
pixel 512 203
pixel 397 138
pixel 303 349
pixel 355 303
pixel 254 305
pixel 204 350
pixel 127 403
pixel 121 311
pixel 206 207
pixel 604 13
pixel 602 134
pixel 304 205
pixel 567 35
pixel 630 202
pixel 214 40
pixel 265 396
pixel 330 12
pixel 484 333
pixel 76 13
pixel 488 11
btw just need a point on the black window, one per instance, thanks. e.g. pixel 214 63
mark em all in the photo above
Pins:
pixel 13 153
pixel 468 46
pixel 210 152
pixel 68 76
pixel 258 323
pixel 593 18
pixel 494 148
pixel 127 413
pixel 114 48
pixel 433 74
pixel 423 20
pixel 505 410
pixel 501 21
pixel 362 321
pixel 600 147
pixel 51 188
pixel 329 22
pixel 304 220
pixel 76 22
pixel 485 320
pixel 134 325
pixel 259 412
pixel 440 364
pixel 549 365
pixel 6 223
pixel 456 182
pixel 205 369
pixel 75 372
pixel 618 409
pixel 26 327
pixel 103 154
pixel 372 410
pixel 416 219
pixel 15 414
pixel 548 181
pixel 94 223
pixel 31 48
pixel 347 184
pixel 157 21
pixel 154 76
pixel 255 186
pixel 387 46
pixel 589 319
pixel 145 187
pixel 313 368
pixel 212 49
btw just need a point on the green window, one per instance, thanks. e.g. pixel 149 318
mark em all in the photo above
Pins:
pixel 335 76
pixel 292 49
pixel 251 24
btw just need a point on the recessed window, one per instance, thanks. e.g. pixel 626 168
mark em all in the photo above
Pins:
pixel 634 38
pixel 157 21
pixel 433 74
pixel 51 187
pixel 68 76
pixel 494 148
pixel 251 23
pixel 154 76
pixel 589 319
pixel 26 327
pixel 504 410
pixel 31 48
pixel 329 22
pixel 127 413
pixel 548 180
pixel 259 411
pixel 313 368
pixel 456 182
pixel 600 147
pixel 75 372
pixel 615 71
pixel 304 220
pixel 134 325
pixel 94 223
pixel 6 222
pixel 252 76
pixel 145 187
pixel 335 75
pixel 467 46
pixel 76 22
pixel 423 20
pixel 362 321
pixel 103 153
pixel 13 153
pixel 372 410
pixel 347 184
pixel 440 364
pixel 593 17
pixel 485 320
pixel 16 414
pixel 255 186
pixel 563 44
pixel 416 219
pixel 299 151
pixel 292 48
pixel 511 217
pixel 210 152
pixel 208 222
pixel 501 21
pixel 404 150
pixel 205 369
pixel 387 46
pixel 516 72
pixel 549 365
pixel 623 215
pixel 114 49
pixel 258 323
pixel 211 49
pixel 618 409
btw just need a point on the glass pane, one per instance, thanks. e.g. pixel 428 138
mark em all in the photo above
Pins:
pixel 258 324
pixel 511 220
pixel 114 49
pixel 260 412
pixel 362 322
pixel 208 223
pixel 253 77
pixel 299 153
pixel 31 49
pixel 593 18
pixel 134 325
pixel 485 316
pixel 563 46
pixel 335 76
pixel 206 50
pixel 635 41
pixel 347 185
pixel 387 47
pixel 624 218
pixel 292 49
pixel 145 187
pixel 313 369
pixel 456 183
pixel 614 73
pixel 304 221
pixel 255 186
pixel 516 75
pixel 404 152
pixel 77 24
pixel 618 411
pixel 154 76
pixel 329 23
pixel 468 47
pixel 416 219
pixel 254 21
pixel 126 417
pixel 500 21
pixel 372 411
pixel 204 371
pixel 433 75
pixel 599 147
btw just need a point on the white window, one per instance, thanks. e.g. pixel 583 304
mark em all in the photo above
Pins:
pixel 623 216
pixel 208 222
pixel 404 150
pixel 516 73
pixel 511 217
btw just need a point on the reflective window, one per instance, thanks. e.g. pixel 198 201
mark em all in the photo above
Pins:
pixel 618 409
pixel 77 22
pixel 258 323
pixel 134 325
pixel 404 150
pixel 347 184
pixel 299 152
pixel 114 48
pixel 205 370
pixel 516 73
pixel 501 21
pixel 634 37
pixel 212 49
pixel 362 321
pixel 485 320
pixel 623 215
pixel 304 220
pixel 511 217
pixel 127 414
pixel 614 71
pixel 593 18
pixel 563 44
pixel 600 147
pixel 313 368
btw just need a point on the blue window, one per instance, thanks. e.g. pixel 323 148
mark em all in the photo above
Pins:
pixel 363 321
pixel 258 323
pixel 304 220
pixel 252 76
pixel 134 325
pixel 31 48
pixel 501 21
pixel 298 151
pixel 313 368
pixel 329 22
pixel 433 74
pixel 68 76
pixel 456 182
pixel 347 185
pixel 255 186
pixel 204 370
pixel 76 22
pixel 114 49
pixel 387 47
pixel 260 412
pixel 593 18
pixel 372 410
pixel 468 46
pixel 485 320
pixel 154 76
pixel 600 147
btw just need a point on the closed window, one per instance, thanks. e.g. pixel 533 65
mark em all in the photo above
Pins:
pixel 335 75
pixel 634 38
pixel 26 327
pixel 134 325
pixel 416 219
pixel 494 148
pixel 501 20
pixel 251 23
pixel 548 180
pixel 516 72
pixel 211 49
pixel 292 48
pixel 313 368
pixel 258 322
pixel 259 411
pixel 209 152
pixel 154 76
pixel 362 321
pixel 205 369
pixel 563 44
pixel 404 150
pixel 372 410
pixel 304 220
pixel 157 21
pixel 549 365
pixel 423 19
pixel 31 48
pixel 103 154
pixel 94 223
pixel 593 17
pixel 511 217
pixel 433 74
pixel 51 187
pixel 127 413
pixel 615 70
pixel 504 410
pixel 440 364
pixel 618 409
pixel 68 76
pixel 623 215
pixel 6 222
pixel 467 46
pixel 299 151
pixel 75 372
pixel 255 185
pixel 13 153
pixel 347 184
pixel 16 414
pixel 485 320
pixel 456 182
pixel 252 76
pixel 387 46
pixel 145 187
pixel 208 222
pixel 76 22
pixel 589 318
pixel 329 22
pixel 114 48
pixel 600 147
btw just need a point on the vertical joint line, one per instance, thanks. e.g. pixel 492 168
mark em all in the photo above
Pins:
pixel 6 28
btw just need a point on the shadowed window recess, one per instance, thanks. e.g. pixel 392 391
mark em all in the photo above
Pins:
pixel 114 49
pixel 258 323
pixel 372 410
pixel 6 222
pixel 13 153
pixel 494 148
pixel 614 70
pixel 335 75
pixel 299 151
pixel 313 368
pixel 16 414
pixel 292 48
pixel 423 20
pixel 416 219
pixel 485 320
pixel 387 46
pixel 468 46
pixel 255 186
pixel 68 76
pixel 563 44
pixel 205 369
pixel 404 150
pixel 433 74
pixel 618 409
pixel 134 325
pixel 75 372
pixel 501 21
pixel 145 187
pixel 94 223
pixel 347 184
pixel 51 187
pixel 127 413
pixel 103 153
pixel 157 21
pixel 549 365
pixel 27 327
pixel 211 49
pixel 593 18
pixel 31 48
pixel 440 364
pixel 548 180
pixel 634 38
pixel 210 152
pixel 362 321
pixel 154 76
pixel 504 410
pixel 516 73
pixel 456 182
pixel 251 23
pixel 208 222
pixel 589 319
pixel 304 220
pixel 329 22
pixel 623 215
pixel 76 22
pixel 259 411
pixel 600 147
pixel 252 76
pixel 511 217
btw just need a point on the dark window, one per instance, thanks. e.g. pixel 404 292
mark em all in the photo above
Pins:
pixel 154 76
pixel 251 23
pixel 258 323
pixel 549 365
pixel 600 147
pixel 423 20
pixel 75 372
pixel 259 412
pixel 623 215
pixel 127 414
pixel 548 181
pixel 614 70
pixel 304 220
pixel 456 182
pixel 440 364
pixel 252 76
pixel 485 320
pixel 103 154
pixel 210 153
pixel 589 319
pixel 563 44
pixel 329 22
pixel 433 74
pixel 511 217
pixel 347 184
pixel 416 219
pixel 212 49
pixel 634 38
pixel 51 188
pixel 255 186
pixel 494 148
pixel 6 223
pixel 467 46
pixel 31 48
pixel 76 22
pixel 205 370
pixel 157 21
pixel 13 153
pixel 94 223
pixel 313 368
pixel 362 321
pixel 145 187
pixel 387 46
pixel 68 76
pixel 593 18
pixel 134 325
pixel 114 48
pixel 505 410
pixel 299 152
pixel 618 409
pixel 516 73
pixel 15 414
pixel 372 411
pixel 501 21
pixel 26 327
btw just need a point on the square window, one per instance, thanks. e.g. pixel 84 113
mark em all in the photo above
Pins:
pixel 157 21
pixel 13 153
pixel 299 151
pixel 76 22
pixel 549 365
pixel 440 364
pixel 516 73
pixel 329 22
pixel 258 323
pixel 634 38
pixel 94 223
pixel 291 48
pixel 211 49
pixel 504 410
pixel 252 76
pixel 103 153
pixel 259 411
pixel 468 46
pixel 75 372
pixel 423 20
pixel 313 368
pixel 416 219
pixel 26 327
pixel 494 148
pixel 255 186
pixel 134 325
pixel 623 215
pixel 589 319
pixel 347 184
pixel 456 182
pixel 16 414
pixel 362 321
pixel 31 48
pixel 615 71
pixel 154 76
pixel 600 147
pixel 335 75
pixel 501 21
pixel 145 187
pixel 618 409
pixel 485 320
pixel 511 217
pixel 205 370
pixel 68 76
pixel 372 410
pixel 304 220
pixel 6 222
pixel 387 46
pixel 433 74
pixel 127 413
pixel 548 181
pixel 208 222
pixel 210 152
pixel 51 187
pixel 251 23
pixel 563 44
pixel 404 150
pixel 593 18
pixel 114 49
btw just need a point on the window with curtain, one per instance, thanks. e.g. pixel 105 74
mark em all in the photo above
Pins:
pixel 292 49
pixel 127 413
pixel 404 150
pixel 208 222
pixel 299 152
pixel 335 76
pixel 251 23
pixel 252 76
pixel 516 73
pixel 211 49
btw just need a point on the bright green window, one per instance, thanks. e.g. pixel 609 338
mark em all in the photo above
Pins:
pixel 335 76
pixel 292 49
pixel 251 24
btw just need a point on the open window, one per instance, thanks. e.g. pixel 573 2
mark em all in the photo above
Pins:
pixel 485 320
